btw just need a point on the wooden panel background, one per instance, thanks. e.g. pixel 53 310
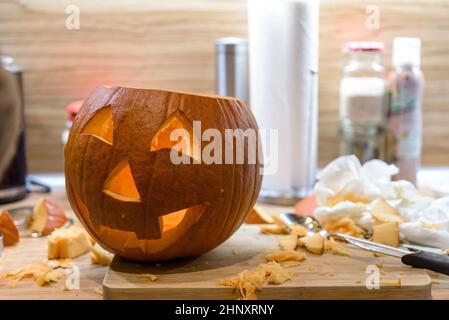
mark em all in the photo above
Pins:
pixel 169 44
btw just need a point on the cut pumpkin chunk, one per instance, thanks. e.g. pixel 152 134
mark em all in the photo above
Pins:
pixel 47 216
pixel 334 247
pixel 314 244
pixel 299 230
pixel 387 233
pixel 8 229
pixel 258 216
pixel 288 242
pixel 382 212
pixel 274 230
pixel 68 243
pixel 285 255
pixel 344 225
pixel 100 256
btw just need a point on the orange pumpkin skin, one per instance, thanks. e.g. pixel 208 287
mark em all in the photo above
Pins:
pixel 8 229
pixel 128 194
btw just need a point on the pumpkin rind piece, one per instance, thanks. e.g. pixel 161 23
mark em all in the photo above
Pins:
pixel 47 216
pixel 8 229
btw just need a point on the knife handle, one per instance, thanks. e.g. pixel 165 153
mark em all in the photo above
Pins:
pixel 426 260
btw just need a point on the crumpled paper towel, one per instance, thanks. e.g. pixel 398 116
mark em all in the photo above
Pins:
pixel 346 188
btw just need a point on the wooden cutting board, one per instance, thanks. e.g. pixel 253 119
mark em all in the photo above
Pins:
pixel 319 277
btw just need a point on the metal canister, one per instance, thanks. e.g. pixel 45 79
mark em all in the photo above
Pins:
pixel 232 68
pixel 13 181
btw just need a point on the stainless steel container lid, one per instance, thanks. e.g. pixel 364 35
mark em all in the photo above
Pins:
pixel 231 45
pixel 232 67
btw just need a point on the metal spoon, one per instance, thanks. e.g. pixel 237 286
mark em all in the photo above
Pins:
pixel 421 259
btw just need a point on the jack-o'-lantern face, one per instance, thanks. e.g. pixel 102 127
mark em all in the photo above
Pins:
pixel 132 198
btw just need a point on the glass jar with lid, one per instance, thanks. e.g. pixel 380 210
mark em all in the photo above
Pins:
pixel 363 100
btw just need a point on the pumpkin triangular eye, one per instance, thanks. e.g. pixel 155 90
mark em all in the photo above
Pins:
pixel 100 125
pixel 120 184
pixel 161 139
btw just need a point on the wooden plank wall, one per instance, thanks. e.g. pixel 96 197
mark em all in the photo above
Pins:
pixel 169 44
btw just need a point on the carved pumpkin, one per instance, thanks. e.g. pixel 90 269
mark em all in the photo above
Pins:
pixel 128 193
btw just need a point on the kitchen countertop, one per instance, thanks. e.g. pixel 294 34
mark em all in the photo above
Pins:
pixel 33 251
pixel 30 251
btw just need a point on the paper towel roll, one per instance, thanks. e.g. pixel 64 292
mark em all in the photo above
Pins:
pixel 283 51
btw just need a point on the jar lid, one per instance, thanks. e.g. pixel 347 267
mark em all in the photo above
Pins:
pixel 73 108
pixel 363 46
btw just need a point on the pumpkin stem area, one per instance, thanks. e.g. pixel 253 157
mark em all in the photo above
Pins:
pixel 120 184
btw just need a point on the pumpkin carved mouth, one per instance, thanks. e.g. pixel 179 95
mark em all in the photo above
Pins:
pixel 172 226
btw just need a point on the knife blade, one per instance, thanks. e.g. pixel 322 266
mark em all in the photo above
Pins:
pixel 416 248
pixel 369 245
